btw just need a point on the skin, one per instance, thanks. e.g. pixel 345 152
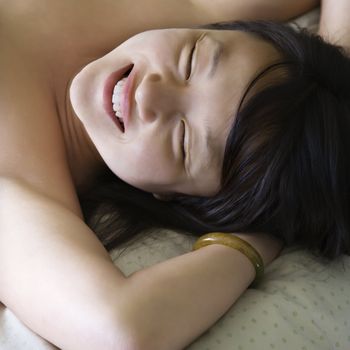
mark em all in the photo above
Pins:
pixel 149 154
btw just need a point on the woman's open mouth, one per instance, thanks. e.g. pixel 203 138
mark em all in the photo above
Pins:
pixel 113 95
pixel 118 97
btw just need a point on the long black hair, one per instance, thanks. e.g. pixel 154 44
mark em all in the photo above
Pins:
pixel 286 164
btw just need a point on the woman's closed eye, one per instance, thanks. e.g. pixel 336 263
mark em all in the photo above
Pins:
pixel 189 63
pixel 183 146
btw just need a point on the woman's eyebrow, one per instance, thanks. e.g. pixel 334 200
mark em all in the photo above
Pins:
pixel 216 58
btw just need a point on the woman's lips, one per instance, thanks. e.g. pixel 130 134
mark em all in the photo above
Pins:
pixel 108 93
pixel 126 101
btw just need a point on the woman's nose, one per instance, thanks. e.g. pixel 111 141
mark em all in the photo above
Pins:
pixel 157 96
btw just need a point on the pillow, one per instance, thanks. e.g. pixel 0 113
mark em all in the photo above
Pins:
pixel 301 303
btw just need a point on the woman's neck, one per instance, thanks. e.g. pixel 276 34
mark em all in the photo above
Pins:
pixel 84 161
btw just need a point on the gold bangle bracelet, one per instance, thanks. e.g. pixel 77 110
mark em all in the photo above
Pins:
pixel 234 242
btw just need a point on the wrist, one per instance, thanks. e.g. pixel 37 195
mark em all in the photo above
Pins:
pixel 266 245
pixel 236 243
pixel 224 256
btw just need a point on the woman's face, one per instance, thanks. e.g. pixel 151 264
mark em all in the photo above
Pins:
pixel 184 82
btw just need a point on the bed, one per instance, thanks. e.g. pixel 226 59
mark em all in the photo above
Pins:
pixel 301 303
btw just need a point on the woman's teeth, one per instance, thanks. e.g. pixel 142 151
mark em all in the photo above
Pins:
pixel 117 97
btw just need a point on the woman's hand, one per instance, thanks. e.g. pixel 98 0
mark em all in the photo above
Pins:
pixel 335 22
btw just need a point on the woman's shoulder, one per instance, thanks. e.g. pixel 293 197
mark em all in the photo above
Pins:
pixel 31 144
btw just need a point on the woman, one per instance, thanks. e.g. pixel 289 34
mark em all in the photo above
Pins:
pixel 60 140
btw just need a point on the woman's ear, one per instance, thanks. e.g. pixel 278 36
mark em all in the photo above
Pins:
pixel 163 197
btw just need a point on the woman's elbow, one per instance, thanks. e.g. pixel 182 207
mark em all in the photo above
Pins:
pixel 130 339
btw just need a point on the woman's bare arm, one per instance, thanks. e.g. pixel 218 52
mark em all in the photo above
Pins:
pixel 335 22
pixel 182 297
pixel 150 14
pixel 106 23
pixel 55 275
pixel 277 10
pixel 58 279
